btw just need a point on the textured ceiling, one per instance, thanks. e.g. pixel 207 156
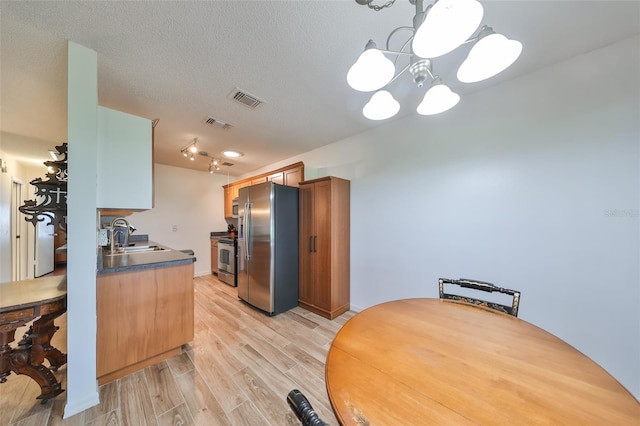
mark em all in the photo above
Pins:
pixel 178 61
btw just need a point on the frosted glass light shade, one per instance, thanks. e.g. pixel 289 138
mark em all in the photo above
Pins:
pixel 448 24
pixel 490 55
pixel 371 71
pixel 439 98
pixel 381 106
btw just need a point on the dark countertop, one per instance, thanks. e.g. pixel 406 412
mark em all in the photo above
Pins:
pixel 108 264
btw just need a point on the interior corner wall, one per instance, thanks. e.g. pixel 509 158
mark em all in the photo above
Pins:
pixel 82 387
pixel 188 206
pixel 532 184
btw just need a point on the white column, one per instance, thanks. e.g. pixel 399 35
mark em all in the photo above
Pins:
pixel 82 388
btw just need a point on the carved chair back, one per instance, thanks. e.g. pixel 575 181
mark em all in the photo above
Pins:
pixel 481 286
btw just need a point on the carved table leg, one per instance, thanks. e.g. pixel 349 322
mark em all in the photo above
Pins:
pixel 40 336
pixel 6 337
pixel 19 361
pixel 28 356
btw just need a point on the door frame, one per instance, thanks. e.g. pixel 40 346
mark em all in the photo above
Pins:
pixel 17 230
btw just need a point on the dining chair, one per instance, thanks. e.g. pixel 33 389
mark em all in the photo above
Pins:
pixel 303 410
pixel 482 286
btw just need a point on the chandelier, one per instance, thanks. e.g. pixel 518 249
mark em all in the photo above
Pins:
pixel 437 30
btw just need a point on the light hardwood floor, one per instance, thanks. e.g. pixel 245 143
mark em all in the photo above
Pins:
pixel 237 371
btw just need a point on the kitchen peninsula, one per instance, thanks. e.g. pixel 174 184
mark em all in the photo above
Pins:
pixel 144 308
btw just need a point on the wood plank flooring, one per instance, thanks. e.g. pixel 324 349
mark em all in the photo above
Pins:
pixel 237 371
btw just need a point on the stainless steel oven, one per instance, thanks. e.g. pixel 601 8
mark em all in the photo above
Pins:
pixel 227 261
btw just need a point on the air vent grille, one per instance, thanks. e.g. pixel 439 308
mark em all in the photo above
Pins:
pixel 216 122
pixel 226 163
pixel 245 98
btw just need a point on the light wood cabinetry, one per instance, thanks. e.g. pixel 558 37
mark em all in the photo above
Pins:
pixel 276 178
pixel 290 175
pixel 214 256
pixel 125 161
pixel 144 316
pixel 324 246
pixel 293 177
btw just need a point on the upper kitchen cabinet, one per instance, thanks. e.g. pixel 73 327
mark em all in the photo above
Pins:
pixel 290 175
pixel 125 161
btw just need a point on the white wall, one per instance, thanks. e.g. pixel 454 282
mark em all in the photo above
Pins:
pixel 532 184
pixel 193 201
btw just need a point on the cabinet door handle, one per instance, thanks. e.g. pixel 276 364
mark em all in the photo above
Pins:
pixel 315 243
pixel 311 244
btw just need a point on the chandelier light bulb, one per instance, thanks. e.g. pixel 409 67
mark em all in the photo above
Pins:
pixel 448 24
pixel 193 148
pixel 192 158
pixel 439 98
pixel 184 153
pixel 381 106
pixel 371 71
pixel 489 56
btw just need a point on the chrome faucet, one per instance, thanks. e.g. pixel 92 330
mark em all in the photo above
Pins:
pixel 116 226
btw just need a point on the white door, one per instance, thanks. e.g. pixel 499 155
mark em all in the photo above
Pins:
pixel 44 255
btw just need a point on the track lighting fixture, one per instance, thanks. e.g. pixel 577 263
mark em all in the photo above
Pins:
pixel 191 152
pixel 437 30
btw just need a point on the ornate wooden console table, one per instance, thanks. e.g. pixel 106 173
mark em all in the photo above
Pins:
pixel 20 303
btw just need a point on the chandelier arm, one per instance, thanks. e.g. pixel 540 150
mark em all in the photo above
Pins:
pixel 398 29
pixel 393 52
pixel 398 75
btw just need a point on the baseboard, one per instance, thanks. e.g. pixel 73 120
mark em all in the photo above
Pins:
pixel 75 407
pixel 356 308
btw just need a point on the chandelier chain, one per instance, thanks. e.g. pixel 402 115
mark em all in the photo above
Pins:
pixel 379 8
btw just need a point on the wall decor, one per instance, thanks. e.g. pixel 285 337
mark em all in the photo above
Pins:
pixel 51 194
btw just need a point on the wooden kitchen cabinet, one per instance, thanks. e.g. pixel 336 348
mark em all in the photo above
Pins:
pixel 290 175
pixel 214 256
pixel 276 178
pixel 144 316
pixel 294 176
pixel 324 246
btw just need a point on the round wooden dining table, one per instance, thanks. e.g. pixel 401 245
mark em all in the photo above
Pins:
pixel 430 361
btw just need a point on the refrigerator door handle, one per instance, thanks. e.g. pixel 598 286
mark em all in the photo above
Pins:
pixel 315 243
pixel 311 244
pixel 247 223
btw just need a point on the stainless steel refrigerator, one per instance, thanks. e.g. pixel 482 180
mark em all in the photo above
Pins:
pixel 268 246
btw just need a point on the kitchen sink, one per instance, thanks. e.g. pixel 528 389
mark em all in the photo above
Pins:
pixel 138 249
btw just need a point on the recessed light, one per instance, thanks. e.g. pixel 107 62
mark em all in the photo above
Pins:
pixel 232 154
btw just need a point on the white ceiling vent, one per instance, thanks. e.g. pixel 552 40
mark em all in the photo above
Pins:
pixel 215 122
pixel 245 98
pixel 226 163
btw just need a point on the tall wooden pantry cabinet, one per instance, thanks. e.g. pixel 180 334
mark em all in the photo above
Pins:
pixel 324 246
